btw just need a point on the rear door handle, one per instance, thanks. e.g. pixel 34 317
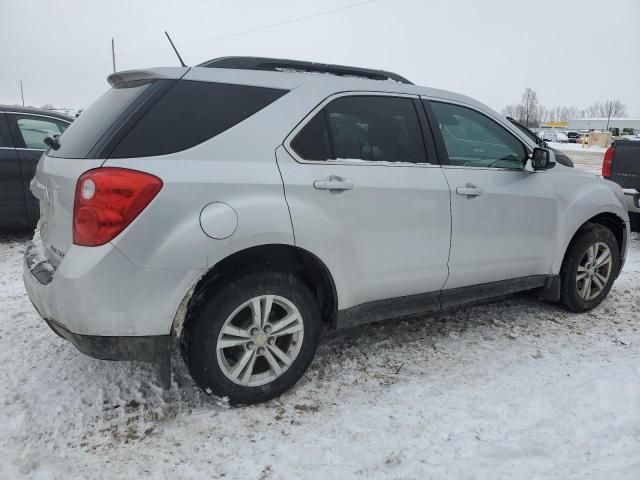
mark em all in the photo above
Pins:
pixel 333 183
pixel 469 190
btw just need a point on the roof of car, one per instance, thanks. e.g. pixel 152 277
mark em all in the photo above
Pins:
pixel 322 79
pixel 38 111
pixel 283 65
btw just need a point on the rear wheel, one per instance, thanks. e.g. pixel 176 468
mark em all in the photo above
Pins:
pixel 589 268
pixel 253 338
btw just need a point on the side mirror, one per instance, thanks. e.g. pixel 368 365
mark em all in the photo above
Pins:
pixel 51 141
pixel 543 159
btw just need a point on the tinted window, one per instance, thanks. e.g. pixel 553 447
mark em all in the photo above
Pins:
pixel 94 122
pixel 474 140
pixel 34 129
pixel 374 128
pixel 190 113
pixel 312 143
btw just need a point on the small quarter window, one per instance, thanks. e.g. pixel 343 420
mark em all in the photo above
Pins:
pixel 372 128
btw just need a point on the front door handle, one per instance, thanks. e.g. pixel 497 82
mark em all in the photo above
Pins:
pixel 333 183
pixel 470 190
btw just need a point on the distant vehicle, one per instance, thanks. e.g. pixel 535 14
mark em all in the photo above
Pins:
pixel 562 137
pixel 573 137
pixel 621 165
pixel 239 207
pixel 548 135
pixel 22 133
pixel 561 158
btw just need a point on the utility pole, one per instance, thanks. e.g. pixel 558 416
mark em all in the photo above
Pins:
pixel 113 54
pixel 22 92
pixel 609 117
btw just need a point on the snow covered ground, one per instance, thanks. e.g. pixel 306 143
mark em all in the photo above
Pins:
pixel 515 389
pixel 512 389
pixel 576 147
pixel 589 159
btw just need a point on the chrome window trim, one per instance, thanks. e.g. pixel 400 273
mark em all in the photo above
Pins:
pixel 23 148
pixel 39 115
pixel 355 162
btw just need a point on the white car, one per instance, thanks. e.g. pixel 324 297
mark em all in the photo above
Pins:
pixel 238 207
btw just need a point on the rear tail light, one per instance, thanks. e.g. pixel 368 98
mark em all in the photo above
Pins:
pixel 107 200
pixel 608 160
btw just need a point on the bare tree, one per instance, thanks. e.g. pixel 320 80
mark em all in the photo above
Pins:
pixel 615 108
pixel 561 114
pixel 529 108
pixel 608 108
pixel 512 111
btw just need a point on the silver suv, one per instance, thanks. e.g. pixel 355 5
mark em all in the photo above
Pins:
pixel 238 207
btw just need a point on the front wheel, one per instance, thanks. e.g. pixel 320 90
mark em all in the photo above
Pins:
pixel 589 268
pixel 253 338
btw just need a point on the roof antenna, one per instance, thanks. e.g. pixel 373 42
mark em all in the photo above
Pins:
pixel 175 49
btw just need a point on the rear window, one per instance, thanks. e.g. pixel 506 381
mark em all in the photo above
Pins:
pixel 190 113
pixel 92 125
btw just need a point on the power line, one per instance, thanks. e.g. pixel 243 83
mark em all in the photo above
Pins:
pixel 161 18
pixel 257 29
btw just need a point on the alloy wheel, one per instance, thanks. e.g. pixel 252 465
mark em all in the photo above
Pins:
pixel 260 340
pixel 594 271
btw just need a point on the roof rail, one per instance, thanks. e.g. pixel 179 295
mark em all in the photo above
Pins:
pixel 278 64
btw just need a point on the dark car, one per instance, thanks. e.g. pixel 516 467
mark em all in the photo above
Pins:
pixel 22 133
pixel 574 137
pixel 561 158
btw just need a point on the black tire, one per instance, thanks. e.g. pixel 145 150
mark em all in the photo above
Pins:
pixel 587 236
pixel 201 332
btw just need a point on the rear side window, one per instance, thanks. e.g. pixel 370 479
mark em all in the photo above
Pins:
pixel 373 128
pixel 94 122
pixel 190 113
pixel 34 129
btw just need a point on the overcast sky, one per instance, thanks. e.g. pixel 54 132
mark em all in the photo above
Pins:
pixel 572 52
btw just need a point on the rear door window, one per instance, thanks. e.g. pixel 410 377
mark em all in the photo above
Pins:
pixel 34 128
pixel 372 128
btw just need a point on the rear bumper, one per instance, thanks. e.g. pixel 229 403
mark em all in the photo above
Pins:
pixel 153 349
pixel 97 291
pixel 145 348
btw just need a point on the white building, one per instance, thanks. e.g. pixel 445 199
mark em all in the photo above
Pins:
pixel 600 123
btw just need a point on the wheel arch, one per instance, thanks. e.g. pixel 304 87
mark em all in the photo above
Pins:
pixel 610 221
pixel 310 269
